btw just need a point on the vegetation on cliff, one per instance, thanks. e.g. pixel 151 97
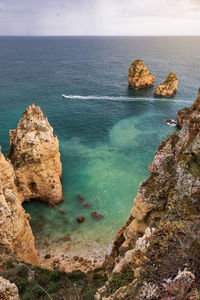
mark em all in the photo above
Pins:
pixel 156 254
pixel 160 242
pixel 35 283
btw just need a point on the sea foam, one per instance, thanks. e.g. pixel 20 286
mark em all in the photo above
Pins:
pixel 121 98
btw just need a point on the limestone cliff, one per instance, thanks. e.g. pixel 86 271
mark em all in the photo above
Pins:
pixel 139 75
pixel 188 114
pixel 16 237
pixel 8 291
pixel 156 255
pixel 34 153
pixel 168 88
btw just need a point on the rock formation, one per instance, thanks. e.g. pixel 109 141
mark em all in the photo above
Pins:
pixel 168 88
pixel 34 153
pixel 8 291
pixel 186 115
pixel 158 249
pixel 16 237
pixel 139 75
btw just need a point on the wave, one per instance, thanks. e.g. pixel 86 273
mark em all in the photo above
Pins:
pixel 122 98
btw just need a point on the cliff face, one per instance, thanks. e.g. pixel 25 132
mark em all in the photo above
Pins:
pixel 168 88
pixel 139 75
pixel 189 115
pixel 34 153
pixel 160 243
pixel 15 233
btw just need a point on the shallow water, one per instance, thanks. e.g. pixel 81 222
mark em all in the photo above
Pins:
pixel 108 134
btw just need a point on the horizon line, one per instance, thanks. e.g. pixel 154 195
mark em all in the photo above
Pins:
pixel 99 35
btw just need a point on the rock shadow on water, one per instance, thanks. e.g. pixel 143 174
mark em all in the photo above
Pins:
pixel 141 93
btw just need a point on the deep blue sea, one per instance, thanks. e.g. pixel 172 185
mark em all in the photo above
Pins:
pixel 108 133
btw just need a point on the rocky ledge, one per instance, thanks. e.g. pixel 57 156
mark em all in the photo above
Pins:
pixel 139 75
pixel 156 254
pixel 8 291
pixel 168 88
pixel 34 153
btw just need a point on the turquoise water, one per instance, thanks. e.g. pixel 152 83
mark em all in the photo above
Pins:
pixel 108 134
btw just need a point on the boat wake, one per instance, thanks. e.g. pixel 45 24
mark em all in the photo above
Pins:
pixel 121 98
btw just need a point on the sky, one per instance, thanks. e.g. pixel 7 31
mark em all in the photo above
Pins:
pixel 99 17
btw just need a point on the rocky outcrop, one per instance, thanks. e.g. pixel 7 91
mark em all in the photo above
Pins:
pixel 34 153
pixel 196 104
pixel 8 291
pixel 16 238
pixel 162 238
pixel 168 88
pixel 189 115
pixel 139 75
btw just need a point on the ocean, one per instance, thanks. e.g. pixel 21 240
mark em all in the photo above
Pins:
pixel 108 133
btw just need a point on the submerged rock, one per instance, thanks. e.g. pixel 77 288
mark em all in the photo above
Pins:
pixel 168 88
pixel 96 215
pixel 139 75
pixel 80 197
pixel 87 204
pixel 80 219
pixel 34 153
pixel 16 237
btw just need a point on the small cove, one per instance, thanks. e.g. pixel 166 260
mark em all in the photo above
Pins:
pixel 106 142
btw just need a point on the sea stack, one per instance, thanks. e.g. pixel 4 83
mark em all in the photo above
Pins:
pixel 168 88
pixel 139 75
pixel 34 153
pixel 16 237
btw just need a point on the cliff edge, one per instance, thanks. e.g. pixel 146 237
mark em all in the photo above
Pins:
pixel 16 237
pixel 156 255
pixel 34 153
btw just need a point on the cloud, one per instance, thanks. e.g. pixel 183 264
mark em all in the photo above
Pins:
pixel 63 17
pixel 195 2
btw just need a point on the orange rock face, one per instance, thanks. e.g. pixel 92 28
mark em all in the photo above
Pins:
pixel 16 237
pixel 34 153
pixel 139 75
pixel 168 88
